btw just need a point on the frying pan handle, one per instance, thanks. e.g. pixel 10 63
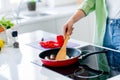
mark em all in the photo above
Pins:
pixel 84 56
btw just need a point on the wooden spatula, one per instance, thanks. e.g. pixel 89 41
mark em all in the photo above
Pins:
pixel 61 55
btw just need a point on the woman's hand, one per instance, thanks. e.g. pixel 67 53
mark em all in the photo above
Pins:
pixel 68 27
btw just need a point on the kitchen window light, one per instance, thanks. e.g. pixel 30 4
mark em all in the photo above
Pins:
pixel 11 5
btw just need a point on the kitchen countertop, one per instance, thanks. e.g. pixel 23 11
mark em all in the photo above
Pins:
pixel 15 63
pixel 115 78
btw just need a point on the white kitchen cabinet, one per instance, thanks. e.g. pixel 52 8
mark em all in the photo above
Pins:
pixel 84 28
pixel 46 25
pixel 81 30
pixel 60 22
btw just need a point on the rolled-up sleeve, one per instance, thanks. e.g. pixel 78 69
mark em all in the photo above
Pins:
pixel 87 6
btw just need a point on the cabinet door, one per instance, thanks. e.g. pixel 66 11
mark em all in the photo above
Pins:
pixel 59 24
pixel 48 25
pixel 81 30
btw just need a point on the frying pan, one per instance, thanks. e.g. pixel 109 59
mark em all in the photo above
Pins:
pixel 73 53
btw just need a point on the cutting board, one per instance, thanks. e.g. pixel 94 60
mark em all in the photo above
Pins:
pixel 36 44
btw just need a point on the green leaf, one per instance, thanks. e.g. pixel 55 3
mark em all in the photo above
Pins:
pixel 4 22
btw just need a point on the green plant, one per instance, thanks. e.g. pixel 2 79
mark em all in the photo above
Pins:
pixel 6 23
pixel 32 0
pixel 35 0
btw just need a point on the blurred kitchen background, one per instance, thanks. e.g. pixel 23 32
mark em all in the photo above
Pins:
pixel 47 15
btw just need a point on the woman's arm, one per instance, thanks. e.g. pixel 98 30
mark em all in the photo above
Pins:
pixel 68 27
pixel 84 9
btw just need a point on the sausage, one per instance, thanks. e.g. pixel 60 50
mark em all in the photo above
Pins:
pixel 47 57
pixel 52 57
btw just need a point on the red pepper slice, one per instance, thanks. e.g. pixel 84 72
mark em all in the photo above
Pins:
pixel 60 40
pixel 49 44
pixel 53 44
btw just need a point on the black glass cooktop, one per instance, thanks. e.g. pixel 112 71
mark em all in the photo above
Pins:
pixel 81 70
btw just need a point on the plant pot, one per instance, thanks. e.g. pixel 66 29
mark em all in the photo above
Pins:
pixel 31 6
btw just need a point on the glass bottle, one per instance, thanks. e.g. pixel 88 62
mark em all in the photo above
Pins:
pixel 15 36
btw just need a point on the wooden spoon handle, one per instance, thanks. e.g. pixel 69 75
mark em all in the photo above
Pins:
pixel 61 55
pixel 66 40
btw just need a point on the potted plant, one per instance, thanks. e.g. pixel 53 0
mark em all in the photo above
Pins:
pixel 31 5
pixel 5 25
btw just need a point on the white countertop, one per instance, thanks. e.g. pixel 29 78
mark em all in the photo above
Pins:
pixel 115 78
pixel 15 63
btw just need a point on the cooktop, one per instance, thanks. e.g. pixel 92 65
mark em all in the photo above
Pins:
pixel 81 70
